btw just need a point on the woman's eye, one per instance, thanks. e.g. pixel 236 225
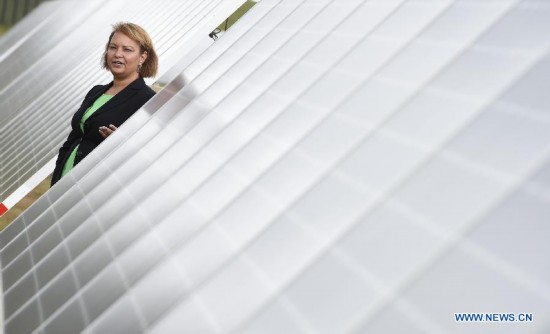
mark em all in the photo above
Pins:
pixel 128 50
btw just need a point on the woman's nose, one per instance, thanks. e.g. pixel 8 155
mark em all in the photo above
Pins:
pixel 118 53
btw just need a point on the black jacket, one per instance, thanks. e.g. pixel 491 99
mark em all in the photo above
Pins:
pixel 116 111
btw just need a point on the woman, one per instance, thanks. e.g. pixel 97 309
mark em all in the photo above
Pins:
pixel 130 56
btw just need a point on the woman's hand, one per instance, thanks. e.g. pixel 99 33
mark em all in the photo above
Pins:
pixel 106 131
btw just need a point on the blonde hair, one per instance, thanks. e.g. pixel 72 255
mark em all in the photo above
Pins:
pixel 139 35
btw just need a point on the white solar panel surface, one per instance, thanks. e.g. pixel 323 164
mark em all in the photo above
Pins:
pixel 324 167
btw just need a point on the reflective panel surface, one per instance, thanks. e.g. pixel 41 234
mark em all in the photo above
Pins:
pixel 326 166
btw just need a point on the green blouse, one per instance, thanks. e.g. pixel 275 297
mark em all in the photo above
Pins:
pixel 69 164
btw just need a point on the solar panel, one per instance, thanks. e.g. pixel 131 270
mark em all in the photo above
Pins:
pixel 326 166
pixel 25 29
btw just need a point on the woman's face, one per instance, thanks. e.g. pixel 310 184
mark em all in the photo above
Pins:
pixel 123 56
